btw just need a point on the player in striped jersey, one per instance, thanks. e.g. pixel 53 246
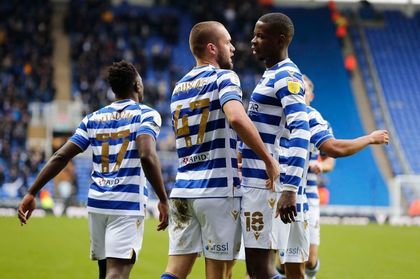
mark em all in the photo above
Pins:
pixel 122 136
pixel 208 114
pixel 324 148
pixel 278 110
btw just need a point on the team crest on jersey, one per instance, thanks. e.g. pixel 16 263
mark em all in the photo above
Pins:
pixel 257 235
pixel 293 85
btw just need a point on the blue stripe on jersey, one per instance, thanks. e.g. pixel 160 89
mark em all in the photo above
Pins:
pixel 293 108
pixel 311 182
pixel 126 188
pixel 206 165
pixel 312 195
pixel 292 180
pixel 321 137
pixel 115 205
pixel 299 142
pixel 265 118
pixel 148 131
pixel 194 92
pixel 249 154
pixel 214 105
pixel 130 154
pixel 255 173
pixel 121 172
pixel 111 141
pixel 80 141
pixel 205 147
pixel 266 100
pixel 229 96
pixel 211 126
pixel 268 138
pixel 296 161
pixel 201 183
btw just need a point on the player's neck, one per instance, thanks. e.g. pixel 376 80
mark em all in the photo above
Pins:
pixel 270 62
pixel 205 61
pixel 129 97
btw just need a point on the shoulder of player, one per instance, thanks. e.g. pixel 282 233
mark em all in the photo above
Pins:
pixel 223 74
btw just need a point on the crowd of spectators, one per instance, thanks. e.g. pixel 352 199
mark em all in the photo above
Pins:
pixel 25 76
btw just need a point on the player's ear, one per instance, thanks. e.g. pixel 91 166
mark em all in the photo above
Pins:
pixel 211 48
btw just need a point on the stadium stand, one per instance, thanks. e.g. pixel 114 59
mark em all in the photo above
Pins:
pixel 155 39
pixel 25 76
pixel 397 61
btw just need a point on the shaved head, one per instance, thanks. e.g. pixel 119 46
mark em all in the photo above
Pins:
pixel 279 24
pixel 203 33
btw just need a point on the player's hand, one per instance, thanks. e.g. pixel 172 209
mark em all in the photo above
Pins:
pixel 379 137
pixel 163 208
pixel 26 207
pixel 286 207
pixel 273 172
pixel 240 171
pixel 315 167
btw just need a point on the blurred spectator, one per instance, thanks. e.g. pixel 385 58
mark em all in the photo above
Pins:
pixel 25 76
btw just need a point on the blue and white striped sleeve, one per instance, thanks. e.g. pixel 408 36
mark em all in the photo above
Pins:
pixel 229 87
pixel 320 129
pixel 80 136
pixel 290 92
pixel 150 123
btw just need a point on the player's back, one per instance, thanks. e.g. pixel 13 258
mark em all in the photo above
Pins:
pixel 206 144
pixel 119 184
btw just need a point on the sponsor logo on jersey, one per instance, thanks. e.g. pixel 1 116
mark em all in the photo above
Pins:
pixel 108 182
pixel 217 248
pixel 253 106
pixel 196 158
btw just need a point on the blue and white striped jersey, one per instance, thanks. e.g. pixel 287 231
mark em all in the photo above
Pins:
pixel 320 133
pixel 278 110
pixel 119 185
pixel 205 142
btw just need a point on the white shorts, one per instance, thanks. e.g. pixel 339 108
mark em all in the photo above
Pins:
pixel 314 227
pixel 294 242
pixel 210 226
pixel 115 236
pixel 259 225
pixel 241 254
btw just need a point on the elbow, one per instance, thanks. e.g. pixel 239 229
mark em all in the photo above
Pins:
pixel 60 156
pixel 338 153
pixel 147 157
pixel 235 121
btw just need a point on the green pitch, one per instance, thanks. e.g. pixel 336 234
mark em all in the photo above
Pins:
pixel 59 248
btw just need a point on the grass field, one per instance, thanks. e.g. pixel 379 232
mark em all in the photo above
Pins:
pixel 59 248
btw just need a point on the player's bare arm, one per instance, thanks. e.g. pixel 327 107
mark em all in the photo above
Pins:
pixel 342 148
pixel 241 123
pixel 53 167
pixel 146 146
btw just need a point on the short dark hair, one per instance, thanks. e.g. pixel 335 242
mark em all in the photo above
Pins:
pixel 122 77
pixel 279 23
pixel 201 34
